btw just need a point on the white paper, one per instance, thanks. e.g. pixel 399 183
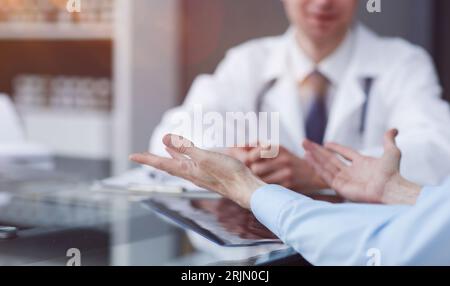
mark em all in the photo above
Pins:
pixel 10 128
pixel 24 152
pixel 147 176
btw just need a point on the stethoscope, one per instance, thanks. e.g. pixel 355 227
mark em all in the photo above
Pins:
pixel 367 84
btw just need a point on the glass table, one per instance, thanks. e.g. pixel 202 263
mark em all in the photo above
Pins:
pixel 57 217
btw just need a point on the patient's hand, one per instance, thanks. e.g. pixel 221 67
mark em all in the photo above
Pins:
pixel 210 170
pixel 364 179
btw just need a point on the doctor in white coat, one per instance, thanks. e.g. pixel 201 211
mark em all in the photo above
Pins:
pixel 360 86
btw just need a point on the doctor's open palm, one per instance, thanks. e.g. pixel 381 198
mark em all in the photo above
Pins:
pixel 362 178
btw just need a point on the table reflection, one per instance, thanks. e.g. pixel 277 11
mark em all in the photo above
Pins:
pixel 234 219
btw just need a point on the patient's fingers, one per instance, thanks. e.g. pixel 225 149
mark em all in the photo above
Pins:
pixel 183 146
pixel 389 139
pixel 325 174
pixel 325 157
pixel 390 145
pixel 170 166
pixel 176 155
pixel 345 152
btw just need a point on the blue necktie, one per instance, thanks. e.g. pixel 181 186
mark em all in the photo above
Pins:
pixel 316 87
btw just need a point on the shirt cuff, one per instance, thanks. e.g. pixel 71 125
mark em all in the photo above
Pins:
pixel 269 201
pixel 427 191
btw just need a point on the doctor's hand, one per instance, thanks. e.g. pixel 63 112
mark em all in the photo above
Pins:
pixel 364 179
pixel 210 170
pixel 286 170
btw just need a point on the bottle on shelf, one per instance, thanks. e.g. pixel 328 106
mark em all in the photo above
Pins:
pixel 63 92
pixel 54 11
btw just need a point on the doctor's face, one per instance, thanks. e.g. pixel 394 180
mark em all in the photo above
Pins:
pixel 321 19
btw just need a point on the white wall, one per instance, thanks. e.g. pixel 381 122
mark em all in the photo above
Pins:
pixel 410 19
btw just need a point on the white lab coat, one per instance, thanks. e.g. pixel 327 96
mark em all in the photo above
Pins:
pixel 405 94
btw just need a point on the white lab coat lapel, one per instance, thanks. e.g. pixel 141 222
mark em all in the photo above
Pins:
pixel 284 98
pixel 350 97
pixel 348 101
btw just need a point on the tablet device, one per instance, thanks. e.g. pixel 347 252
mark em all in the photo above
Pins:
pixel 219 220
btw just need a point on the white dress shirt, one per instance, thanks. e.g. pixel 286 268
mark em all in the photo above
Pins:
pixel 333 67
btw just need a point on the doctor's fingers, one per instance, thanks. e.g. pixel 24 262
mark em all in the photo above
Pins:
pixel 268 166
pixel 237 153
pixel 283 177
pixel 255 154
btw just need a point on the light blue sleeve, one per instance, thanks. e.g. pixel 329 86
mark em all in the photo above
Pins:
pixel 348 234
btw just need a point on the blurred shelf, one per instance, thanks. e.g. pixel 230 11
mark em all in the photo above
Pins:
pixel 55 31
pixel 71 112
pixel 72 133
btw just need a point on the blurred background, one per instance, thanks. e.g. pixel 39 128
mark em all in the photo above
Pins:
pixel 91 86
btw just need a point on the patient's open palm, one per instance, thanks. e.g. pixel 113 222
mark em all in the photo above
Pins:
pixel 365 178
pixel 210 170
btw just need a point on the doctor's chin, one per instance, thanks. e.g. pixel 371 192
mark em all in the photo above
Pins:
pixel 226 133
